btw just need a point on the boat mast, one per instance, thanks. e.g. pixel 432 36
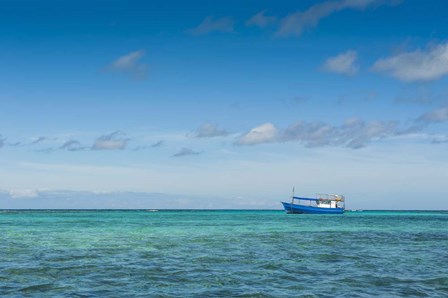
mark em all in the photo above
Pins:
pixel 292 198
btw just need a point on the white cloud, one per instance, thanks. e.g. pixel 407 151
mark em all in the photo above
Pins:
pixel 131 63
pixel 99 199
pixel 261 20
pixel 355 133
pixel 419 65
pixel 23 193
pixel 39 140
pixel 154 145
pixel 210 24
pixel 344 63
pixel 72 145
pixel 112 141
pixel 158 144
pixel 294 24
pixel 185 152
pixel 15 144
pixel 435 116
pixel 209 130
pixel 314 134
pixel 265 133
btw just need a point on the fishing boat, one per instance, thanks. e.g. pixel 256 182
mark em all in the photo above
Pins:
pixel 322 204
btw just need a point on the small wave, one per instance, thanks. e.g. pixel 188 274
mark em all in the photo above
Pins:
pixel 38 288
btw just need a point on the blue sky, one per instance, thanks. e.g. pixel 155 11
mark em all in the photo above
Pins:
pixel 233 102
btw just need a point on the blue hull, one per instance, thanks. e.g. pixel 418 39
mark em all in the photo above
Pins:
pixel 294 208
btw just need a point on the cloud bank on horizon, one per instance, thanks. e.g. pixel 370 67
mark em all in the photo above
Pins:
pixel 218 95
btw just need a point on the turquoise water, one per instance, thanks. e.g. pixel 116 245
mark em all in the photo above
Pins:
pixel 222 254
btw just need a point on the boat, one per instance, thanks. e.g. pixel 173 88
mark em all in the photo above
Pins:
pixel 322 204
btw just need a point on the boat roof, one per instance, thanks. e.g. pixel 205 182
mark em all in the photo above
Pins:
pixel 330 197
pixel 305 199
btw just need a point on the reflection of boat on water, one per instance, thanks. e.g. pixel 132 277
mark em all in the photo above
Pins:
pixel 322 204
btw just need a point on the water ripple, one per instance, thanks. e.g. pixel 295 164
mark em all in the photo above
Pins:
pixel 222 254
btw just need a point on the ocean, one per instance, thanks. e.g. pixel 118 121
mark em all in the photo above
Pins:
pixel 223 253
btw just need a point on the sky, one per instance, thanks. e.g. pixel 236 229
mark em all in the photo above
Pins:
pixel 223 104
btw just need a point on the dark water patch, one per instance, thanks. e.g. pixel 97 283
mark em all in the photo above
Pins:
pixel 38 288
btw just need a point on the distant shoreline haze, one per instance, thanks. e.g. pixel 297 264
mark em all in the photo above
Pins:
pixel 61 199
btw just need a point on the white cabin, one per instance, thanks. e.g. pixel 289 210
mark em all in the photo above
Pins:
pixel 329 200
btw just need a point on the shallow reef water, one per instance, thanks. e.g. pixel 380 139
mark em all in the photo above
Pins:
pixel 222 253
